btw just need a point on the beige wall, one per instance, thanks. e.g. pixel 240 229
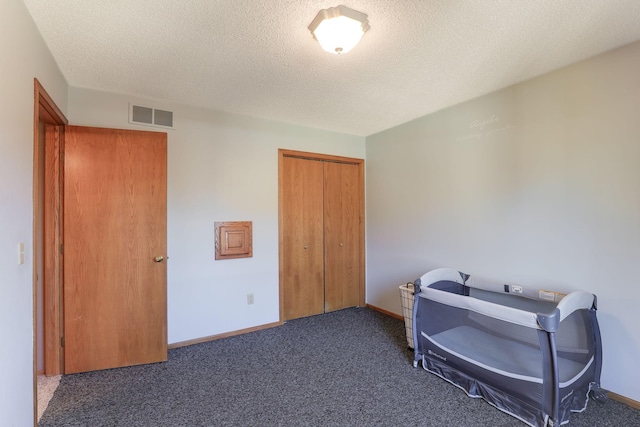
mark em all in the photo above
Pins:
pixel 24 56
pixel 221 167
pixel 536 184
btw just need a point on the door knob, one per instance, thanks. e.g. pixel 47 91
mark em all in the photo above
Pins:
pixel 340 243
pixel 159 259
pixel 305 246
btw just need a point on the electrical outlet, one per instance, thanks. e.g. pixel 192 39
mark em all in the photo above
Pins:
pixel 249 298
pixel 516 289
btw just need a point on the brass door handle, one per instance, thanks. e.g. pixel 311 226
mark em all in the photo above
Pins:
pixel 159 259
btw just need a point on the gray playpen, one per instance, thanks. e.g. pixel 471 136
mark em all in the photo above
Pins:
pixel 535 354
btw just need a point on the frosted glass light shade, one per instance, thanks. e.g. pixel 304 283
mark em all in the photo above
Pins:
pixel 339 29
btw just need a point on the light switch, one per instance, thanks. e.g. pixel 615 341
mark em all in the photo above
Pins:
pixel 20 253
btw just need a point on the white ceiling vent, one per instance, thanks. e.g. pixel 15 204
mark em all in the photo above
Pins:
pixel 150 116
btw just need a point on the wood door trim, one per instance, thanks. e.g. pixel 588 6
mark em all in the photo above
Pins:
pixel 52 280
pixel 280 236
pixel 45 110
pixel 321 157
pixel 282 153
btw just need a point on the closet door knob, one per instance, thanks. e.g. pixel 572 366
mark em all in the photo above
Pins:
pixel 340 243
pixel 305 246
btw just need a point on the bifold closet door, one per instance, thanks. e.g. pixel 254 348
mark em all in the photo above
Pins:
pixel 341 235
pixel 303 241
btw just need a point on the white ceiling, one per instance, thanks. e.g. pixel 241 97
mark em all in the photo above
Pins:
pixel 257 57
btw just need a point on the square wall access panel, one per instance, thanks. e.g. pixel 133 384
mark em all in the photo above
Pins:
pixel 233 239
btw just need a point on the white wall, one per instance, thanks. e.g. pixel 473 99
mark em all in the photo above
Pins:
pixel 24 56
pixel 221 167
pixel 536 184
pixel 546 193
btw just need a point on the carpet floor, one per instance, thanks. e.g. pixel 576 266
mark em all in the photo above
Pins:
pixel 347 368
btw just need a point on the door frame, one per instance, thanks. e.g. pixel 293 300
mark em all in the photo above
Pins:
pixel 282 153
pixel 46 111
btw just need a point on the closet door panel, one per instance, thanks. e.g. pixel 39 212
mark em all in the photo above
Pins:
pixel 342 199
pixel 303 275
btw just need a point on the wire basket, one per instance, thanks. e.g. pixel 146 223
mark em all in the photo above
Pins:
pixel 406 299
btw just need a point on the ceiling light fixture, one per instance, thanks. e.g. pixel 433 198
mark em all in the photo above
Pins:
pixel 339 29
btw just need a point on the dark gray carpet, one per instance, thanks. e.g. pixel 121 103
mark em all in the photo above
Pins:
pixel 347 368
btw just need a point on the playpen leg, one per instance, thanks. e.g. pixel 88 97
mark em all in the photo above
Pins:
pixel 598 394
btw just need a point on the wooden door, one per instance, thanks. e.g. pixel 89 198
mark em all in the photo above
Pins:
pixel 115 306
pixel 342 201
pixel 323 196
pixel 302 241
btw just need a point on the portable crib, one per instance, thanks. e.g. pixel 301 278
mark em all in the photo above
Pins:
pixel 534 354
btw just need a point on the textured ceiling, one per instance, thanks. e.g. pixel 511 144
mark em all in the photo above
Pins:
pixel 258 58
